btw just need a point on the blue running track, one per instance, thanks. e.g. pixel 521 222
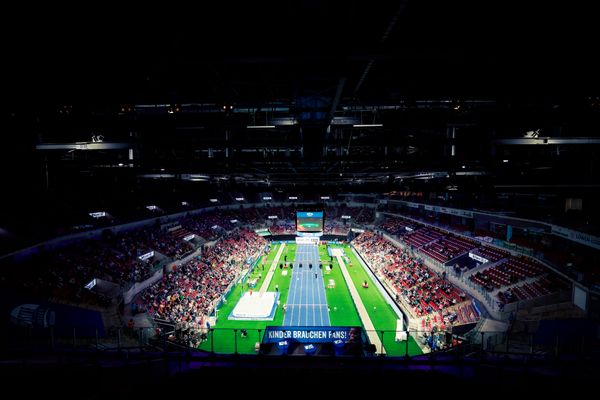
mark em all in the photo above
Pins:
pixel 306 302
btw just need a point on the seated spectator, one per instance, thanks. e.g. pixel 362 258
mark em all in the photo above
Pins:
pixel 187 295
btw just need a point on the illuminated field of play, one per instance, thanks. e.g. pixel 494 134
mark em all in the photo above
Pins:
pixel 227 336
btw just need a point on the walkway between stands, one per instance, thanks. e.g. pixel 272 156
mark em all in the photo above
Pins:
pixel 362 311
pixel 267 281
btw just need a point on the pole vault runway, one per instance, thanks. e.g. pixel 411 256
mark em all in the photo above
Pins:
pixel 306 303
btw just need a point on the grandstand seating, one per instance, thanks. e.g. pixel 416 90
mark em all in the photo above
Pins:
pixel 422 237
pixel 366 216
pixel 539 287
pixel 424 291
pixel 510 271
pixel 187 295
pixel 398 226
pixel 448 248
pixel 491 254
pixel 283 227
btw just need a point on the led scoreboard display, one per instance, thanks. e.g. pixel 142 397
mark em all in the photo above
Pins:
pixel 309 221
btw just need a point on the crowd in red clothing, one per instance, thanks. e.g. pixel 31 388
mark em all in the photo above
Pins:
pixel 422 289
pixel 189 293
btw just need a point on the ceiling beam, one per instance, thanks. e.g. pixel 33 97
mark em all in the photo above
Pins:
pixel 338 96
pixel 548 140
pixel 83 146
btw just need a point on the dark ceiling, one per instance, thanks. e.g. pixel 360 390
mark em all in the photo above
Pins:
pixel 481 98
pixel 447 80
pixel 265 51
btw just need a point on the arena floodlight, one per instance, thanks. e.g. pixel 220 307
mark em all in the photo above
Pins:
pixel 367 125
pixel 97 214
